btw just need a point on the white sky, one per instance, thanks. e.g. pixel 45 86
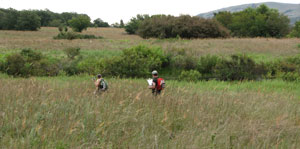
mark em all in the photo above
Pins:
pixel 113 11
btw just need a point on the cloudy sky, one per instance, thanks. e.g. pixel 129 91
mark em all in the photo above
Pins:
pixel 114 10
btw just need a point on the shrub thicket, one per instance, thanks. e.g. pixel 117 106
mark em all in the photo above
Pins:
pixel 185 26
pixel 207 64
pixel 136 62
pixel 191 76
pixel 31 63
pixel 140 60
pixel 296 31
pixel 255 22
pixel 239 67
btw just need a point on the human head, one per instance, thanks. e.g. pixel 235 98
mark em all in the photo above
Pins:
pixel 99 76
pixel 154 73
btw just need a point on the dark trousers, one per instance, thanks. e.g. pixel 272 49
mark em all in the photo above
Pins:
pixel 156 92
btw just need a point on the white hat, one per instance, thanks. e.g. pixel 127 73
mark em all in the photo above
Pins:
pixel 154 72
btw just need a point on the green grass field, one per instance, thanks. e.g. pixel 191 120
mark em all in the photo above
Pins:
pixel 62 112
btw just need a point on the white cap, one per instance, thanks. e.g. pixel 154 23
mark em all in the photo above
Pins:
pixel 154 72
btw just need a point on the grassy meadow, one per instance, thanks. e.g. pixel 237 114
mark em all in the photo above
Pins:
pixel 62 112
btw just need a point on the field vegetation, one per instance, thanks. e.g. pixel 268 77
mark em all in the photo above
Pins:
pixel 62 112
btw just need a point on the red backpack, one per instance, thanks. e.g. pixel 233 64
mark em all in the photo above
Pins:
pixel 160 84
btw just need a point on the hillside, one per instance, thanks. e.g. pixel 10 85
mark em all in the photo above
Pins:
pixel 290 10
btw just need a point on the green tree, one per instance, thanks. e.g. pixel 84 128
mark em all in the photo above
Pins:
pixel 122 24
pixel 9 19
pixel 259 22
pixel 80 23
pixel 132 26
pixel 28 20
pixel 46 16
pixel 296 30
pixel 100 23
pixel 224 17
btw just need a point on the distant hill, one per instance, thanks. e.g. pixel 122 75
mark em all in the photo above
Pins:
pixel 290 10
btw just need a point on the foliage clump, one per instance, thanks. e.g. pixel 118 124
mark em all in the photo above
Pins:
pixel 255 22
pixel 185 26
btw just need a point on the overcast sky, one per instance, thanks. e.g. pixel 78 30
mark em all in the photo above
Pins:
pixel 112 11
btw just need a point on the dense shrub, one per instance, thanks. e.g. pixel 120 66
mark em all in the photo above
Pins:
pixel 296 31
pixel 192 75
pixel 162 26
pixel 239 68
pixel 91 65
pixel 183 62
pixel 255 22
pixel 15 65
pixel 31 63
pixel 289 76
pixel 2 63
pixel 135 62
pixel 206 65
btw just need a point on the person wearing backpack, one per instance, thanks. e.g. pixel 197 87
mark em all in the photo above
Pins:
pixel 101 84
pixel 158 84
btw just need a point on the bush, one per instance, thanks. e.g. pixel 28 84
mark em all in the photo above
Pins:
pixel 183 62
pixel 16 65
pixel 239 68
pixel 162 26
pixel 80 23
pixel 30 55
pixel 2 63
pixel 296 31
pixel 135 62
pixel 289 76
pixel 73 35
pixel 192 76
pixel 206 64
pixel 72 52
pixel 31 63
pixel 91 65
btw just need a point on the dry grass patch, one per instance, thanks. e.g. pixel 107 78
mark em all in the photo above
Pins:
pixel 117 39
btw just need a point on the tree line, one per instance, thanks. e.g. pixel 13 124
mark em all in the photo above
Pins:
pixel 252 22
pixel 11 19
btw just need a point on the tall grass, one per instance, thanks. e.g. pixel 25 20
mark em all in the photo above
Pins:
pixel 62 112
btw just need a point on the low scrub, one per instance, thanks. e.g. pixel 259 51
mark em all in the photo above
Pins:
pixel 139 61
pixel 73 35
pixel 135 62
pixel 191 76
pixel 30 63
pixel 239 67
